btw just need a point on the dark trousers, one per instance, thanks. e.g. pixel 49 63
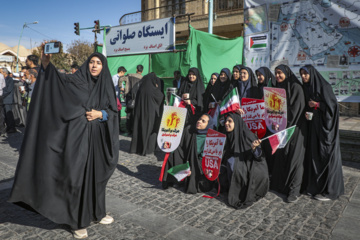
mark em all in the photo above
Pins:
pixel 129 122
pixel 2 117
pixel 9 117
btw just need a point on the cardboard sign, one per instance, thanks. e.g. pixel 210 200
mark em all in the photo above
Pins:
pixel 254 115
pixel 275 109
pixel 171 128
pixel 212 155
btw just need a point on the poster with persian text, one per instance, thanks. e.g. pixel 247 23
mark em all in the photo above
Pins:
pixel 145 37
pixel 212 154
pixel 171 128
pixel 254 115
pixel 275 109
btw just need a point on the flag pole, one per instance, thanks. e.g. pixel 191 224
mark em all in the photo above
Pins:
pixel 214 97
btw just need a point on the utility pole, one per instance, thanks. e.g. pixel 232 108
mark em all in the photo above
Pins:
pixel 211 17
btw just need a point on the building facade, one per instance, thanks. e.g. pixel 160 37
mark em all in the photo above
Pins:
pixel 228 20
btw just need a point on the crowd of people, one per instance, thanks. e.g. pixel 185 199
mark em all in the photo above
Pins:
pixel 73 120
pixel 310 163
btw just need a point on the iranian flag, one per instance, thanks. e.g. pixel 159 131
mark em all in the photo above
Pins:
pixel 231 103
pixel 174 100
pixel 180 172
pixel 280 139
pixel 214 115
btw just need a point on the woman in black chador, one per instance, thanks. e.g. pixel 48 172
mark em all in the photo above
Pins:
pixel 243 164
pixel 71 145
pixel 194 86
pixel 220 90
pixel 323 176
pixel 288 167
pixel 208 90
pixel 191 149
pixel 148 112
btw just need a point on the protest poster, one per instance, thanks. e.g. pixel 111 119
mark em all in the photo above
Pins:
pixel 275 109
pixel 212 154
pixel 254 115
pixel 171 128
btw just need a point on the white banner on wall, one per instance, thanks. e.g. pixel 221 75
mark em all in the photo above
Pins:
pixel 145 37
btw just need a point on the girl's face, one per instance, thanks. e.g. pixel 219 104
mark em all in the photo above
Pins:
pixel 260 77
pixel 192 76
pixel 202 123
pixel 244 75
pixel 236 73
pixel 95 66
pixel 279 75
pixel 223 77
pixel 213 79
pixel 305 76
pixel 229 124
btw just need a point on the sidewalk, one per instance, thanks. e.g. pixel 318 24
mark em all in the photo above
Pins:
pixel 143 210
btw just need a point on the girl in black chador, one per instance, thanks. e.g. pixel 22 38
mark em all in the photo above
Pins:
pixel 323 176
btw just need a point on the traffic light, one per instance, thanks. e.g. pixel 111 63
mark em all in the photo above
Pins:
pixel 77 28
pixel 97 26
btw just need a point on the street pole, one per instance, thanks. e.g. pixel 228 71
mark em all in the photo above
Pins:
pixel 211 17
pixel 17 54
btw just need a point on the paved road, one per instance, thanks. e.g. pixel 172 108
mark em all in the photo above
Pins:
pixel 142 210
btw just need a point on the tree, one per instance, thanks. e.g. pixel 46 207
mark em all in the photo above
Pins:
pixel 79 51
pixel 60 60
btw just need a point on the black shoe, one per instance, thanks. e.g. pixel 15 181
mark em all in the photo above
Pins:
pixel 291 198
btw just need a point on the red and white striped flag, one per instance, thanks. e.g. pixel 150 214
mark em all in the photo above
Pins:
pixel 231 103
pixel 280 139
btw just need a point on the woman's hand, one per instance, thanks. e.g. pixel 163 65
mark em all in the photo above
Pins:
pixel 313 104
pixel 255 144
pixel 93 114
pixel 188 102
pixel 45 58
pixel 240 111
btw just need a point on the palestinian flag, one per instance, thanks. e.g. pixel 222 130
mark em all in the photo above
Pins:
pixel 258 42
pixel 174 100
pixel 231 102
pixel 180 172
pixel 280 139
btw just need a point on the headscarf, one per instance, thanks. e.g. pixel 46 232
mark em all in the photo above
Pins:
pixel 220 88
pixel 247 88
pixel 268 76
pixel 240 139
pixel 294 96
pixel 195 89
pixel 209 88
pixel 204 131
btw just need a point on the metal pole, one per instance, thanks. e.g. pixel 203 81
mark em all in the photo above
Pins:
pixel 210 2
pixel 17 54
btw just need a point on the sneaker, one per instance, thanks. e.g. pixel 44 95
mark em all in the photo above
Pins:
pixel 291 198
pixel 321 197
pixel 80 233
pixel 107 220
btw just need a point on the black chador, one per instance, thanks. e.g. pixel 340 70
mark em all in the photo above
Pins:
pixel 245 170
pixel 288 161
pixel 323 172
pixel 65 160
pixel 148 112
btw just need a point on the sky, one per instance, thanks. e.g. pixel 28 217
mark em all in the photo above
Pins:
pixel 56 19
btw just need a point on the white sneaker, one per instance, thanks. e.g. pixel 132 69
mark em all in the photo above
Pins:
pixel 107 220
pixel 80 233
pixel 321 197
